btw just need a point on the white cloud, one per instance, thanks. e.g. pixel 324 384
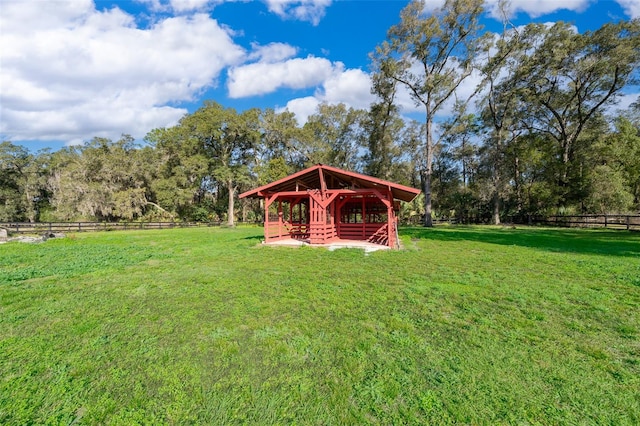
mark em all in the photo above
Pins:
pixel 631 7
pixel 188 5
pixel 351 87
pixel 178 6
pixel 431 5
pixel 303 10
pixel 273 52
pixel 535 8
pixel 624 101
pixel 261 78
pixel 302 108
pixel 70 71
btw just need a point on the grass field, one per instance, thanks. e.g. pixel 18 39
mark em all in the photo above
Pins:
pixel 466 325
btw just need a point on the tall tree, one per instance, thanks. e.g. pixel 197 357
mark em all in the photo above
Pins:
pixel 281 138
pixel 180 178
pixel 382 128
pixel 615 171
pixel 431 55
pixel 228 140
pixel 336 134
pixel 99 180
pixel 500 58
pixel 567 78
pixel 20 183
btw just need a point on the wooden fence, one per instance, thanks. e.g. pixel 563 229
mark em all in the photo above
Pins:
pixel 61 227
pixel 612 221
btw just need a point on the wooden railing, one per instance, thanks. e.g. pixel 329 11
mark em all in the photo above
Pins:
pixel 61 227
pixel 373 232
pixel 613 221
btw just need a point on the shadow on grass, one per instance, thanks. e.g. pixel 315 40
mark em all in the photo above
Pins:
pixel 593 241
pixel 254 237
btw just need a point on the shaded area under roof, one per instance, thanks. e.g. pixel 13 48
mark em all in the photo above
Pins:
pixel 334 178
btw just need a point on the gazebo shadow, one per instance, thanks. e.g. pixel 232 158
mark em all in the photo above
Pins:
pixel 600 242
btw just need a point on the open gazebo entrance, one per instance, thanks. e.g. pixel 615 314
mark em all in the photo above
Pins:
pixel 323 204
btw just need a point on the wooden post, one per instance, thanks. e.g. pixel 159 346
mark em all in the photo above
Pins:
pixel 628 222
pixel 390 230
pixel 266 221
pixel 279 218
pixel 362 216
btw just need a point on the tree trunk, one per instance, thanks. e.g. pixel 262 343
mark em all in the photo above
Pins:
pixel 426 188
pixel 230 218
pixel 518 186
pixel 245 208
pixel 29 204
pixel 426 175
pixel 496 207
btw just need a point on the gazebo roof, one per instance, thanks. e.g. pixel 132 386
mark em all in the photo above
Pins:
pixel 334 178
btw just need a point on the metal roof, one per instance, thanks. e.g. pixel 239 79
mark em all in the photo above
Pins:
pixel 334 178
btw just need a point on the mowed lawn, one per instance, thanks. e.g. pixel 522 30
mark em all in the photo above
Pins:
pixel 466 325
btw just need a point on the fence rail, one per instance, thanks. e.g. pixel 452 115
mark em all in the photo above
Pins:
pixel 613 221
pixel 57 227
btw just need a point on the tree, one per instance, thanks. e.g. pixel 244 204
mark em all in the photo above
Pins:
pixel 99 180
pixel 565 79
pixel 498 106
pixel 178 186
pixel 382 128
pixel 460 142
pixel 281 138
pixel 614 177
pixel 431 56
pixel 17 193
pixel 228 141
pixel 336 134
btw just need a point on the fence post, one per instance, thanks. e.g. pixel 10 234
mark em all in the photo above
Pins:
pixel 605 220
pixel 628 222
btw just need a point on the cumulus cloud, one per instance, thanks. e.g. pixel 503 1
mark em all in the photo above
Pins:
pixel 351 87
pixel 630 7
pixel 69 70
pixel 302 107
pixel 188 5
pixel 179 6
pixel 431 5
pixel 623 102
pixel 272 52
pixel 535 8
pixel 261 78
pixel 304 10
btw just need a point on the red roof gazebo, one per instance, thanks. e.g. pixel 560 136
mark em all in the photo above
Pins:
pixel 323 204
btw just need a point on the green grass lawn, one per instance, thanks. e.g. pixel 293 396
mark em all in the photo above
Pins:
pixel 466 325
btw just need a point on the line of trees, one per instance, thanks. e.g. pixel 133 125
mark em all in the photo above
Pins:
pixel 537 135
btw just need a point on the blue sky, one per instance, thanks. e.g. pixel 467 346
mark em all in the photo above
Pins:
pixel 74 69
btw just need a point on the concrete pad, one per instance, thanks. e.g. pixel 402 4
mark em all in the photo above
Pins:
pixel 338 244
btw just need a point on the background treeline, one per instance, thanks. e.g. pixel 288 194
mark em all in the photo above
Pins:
pixel 540 135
